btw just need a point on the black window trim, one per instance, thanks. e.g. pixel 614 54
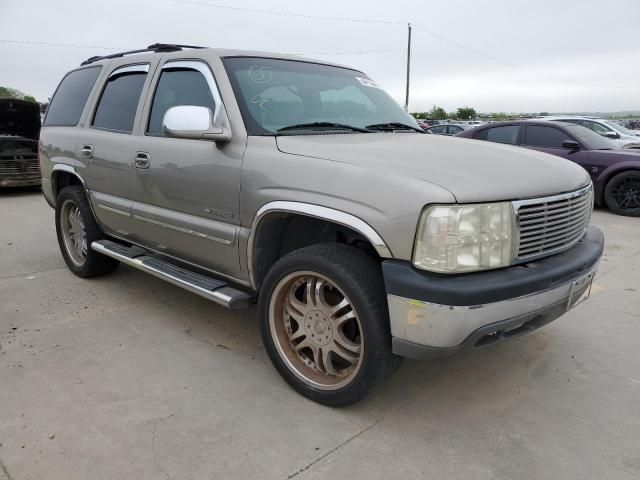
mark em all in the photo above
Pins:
pixel 569 135
pixel 145 67
pixel 87 101
pixel 185 64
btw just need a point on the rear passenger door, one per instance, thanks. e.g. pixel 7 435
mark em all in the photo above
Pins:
pixel 107 145
pixel 186 195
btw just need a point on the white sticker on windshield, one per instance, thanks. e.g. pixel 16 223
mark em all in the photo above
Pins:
pixel 367 82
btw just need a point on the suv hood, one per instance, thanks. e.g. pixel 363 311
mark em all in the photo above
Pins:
pixel 19 118
pixel 472 170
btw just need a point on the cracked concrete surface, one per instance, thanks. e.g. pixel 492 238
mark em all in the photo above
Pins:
pixel 128 377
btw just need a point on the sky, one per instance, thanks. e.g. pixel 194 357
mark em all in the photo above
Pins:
pixel 493 55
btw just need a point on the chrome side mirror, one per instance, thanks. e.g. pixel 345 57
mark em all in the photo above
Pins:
pixel 190 121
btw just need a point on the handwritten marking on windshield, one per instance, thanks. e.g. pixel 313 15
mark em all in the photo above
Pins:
pixel 259 74
pixel 258 100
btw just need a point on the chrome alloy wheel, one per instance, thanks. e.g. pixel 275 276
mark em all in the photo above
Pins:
pixel 73 232
pixel 316 330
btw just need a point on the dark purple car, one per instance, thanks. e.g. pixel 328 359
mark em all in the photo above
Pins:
pixel 615 173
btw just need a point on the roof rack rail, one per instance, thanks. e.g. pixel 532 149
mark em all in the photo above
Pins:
pixel 156 47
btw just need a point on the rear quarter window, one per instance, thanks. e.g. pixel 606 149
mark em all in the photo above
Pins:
pixel 116 110
pixel 71 96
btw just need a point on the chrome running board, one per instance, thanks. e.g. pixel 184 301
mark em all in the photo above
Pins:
pixel 213 289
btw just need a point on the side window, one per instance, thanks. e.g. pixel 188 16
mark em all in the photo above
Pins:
pixel 453 130
pixel 178 86
pixel 574 122
pixel 439 129
pixel 70 97
pixel 119 101
pixel 507 134
pixel 538 136
pixel 596 127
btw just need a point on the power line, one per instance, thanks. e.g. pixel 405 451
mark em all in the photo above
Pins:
pixel 74 45
pixel 356 52
pixel 70 45
pixel 289 14
pixel 398 22
pixel 513 65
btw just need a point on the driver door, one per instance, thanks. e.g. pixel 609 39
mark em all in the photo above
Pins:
pixel 186 192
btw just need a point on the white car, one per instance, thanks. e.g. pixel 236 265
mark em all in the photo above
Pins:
pixel 620 136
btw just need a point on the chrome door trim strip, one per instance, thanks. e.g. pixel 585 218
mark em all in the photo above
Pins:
pixel 315 211
pixel 114 210
pixel 183 230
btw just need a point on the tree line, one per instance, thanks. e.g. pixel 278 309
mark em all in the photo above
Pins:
pixel 439 113
pixel 8 92
pixel 464 113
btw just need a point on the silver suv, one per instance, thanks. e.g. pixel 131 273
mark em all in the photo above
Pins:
pixel 300 185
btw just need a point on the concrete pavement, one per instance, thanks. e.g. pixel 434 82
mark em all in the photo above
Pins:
pixel 127 377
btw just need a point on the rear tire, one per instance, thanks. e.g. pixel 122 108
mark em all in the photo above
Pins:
pixel 77 228
pixel 622 193
pixel 325 323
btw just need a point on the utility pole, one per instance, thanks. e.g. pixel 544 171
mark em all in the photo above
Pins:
pixel 406 101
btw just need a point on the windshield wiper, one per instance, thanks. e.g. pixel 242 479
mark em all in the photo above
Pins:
pixel 322 126
pixel 392 127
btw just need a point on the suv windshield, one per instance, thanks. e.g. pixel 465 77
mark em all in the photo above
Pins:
pixel 275 94
pixel 589 138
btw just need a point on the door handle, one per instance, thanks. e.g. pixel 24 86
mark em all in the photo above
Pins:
pixel 86 151
pixel 141 160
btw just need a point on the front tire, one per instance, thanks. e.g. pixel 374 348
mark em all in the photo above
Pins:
pixel 622 193
pixel 325 323
pixel 77 228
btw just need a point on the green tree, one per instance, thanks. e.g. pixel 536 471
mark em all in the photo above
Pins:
pixel 466 113
pixel 8 92
pixel 437 113
pixel 499 116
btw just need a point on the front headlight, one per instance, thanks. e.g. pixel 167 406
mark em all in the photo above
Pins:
pixel 465 238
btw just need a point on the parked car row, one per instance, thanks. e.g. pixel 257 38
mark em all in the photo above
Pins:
pixel 615 172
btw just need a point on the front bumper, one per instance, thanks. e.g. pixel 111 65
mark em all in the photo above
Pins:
pixel 19 181
pixel 433 314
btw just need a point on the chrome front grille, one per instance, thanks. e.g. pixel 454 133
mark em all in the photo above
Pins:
pixel 551 224
pixel 23 166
